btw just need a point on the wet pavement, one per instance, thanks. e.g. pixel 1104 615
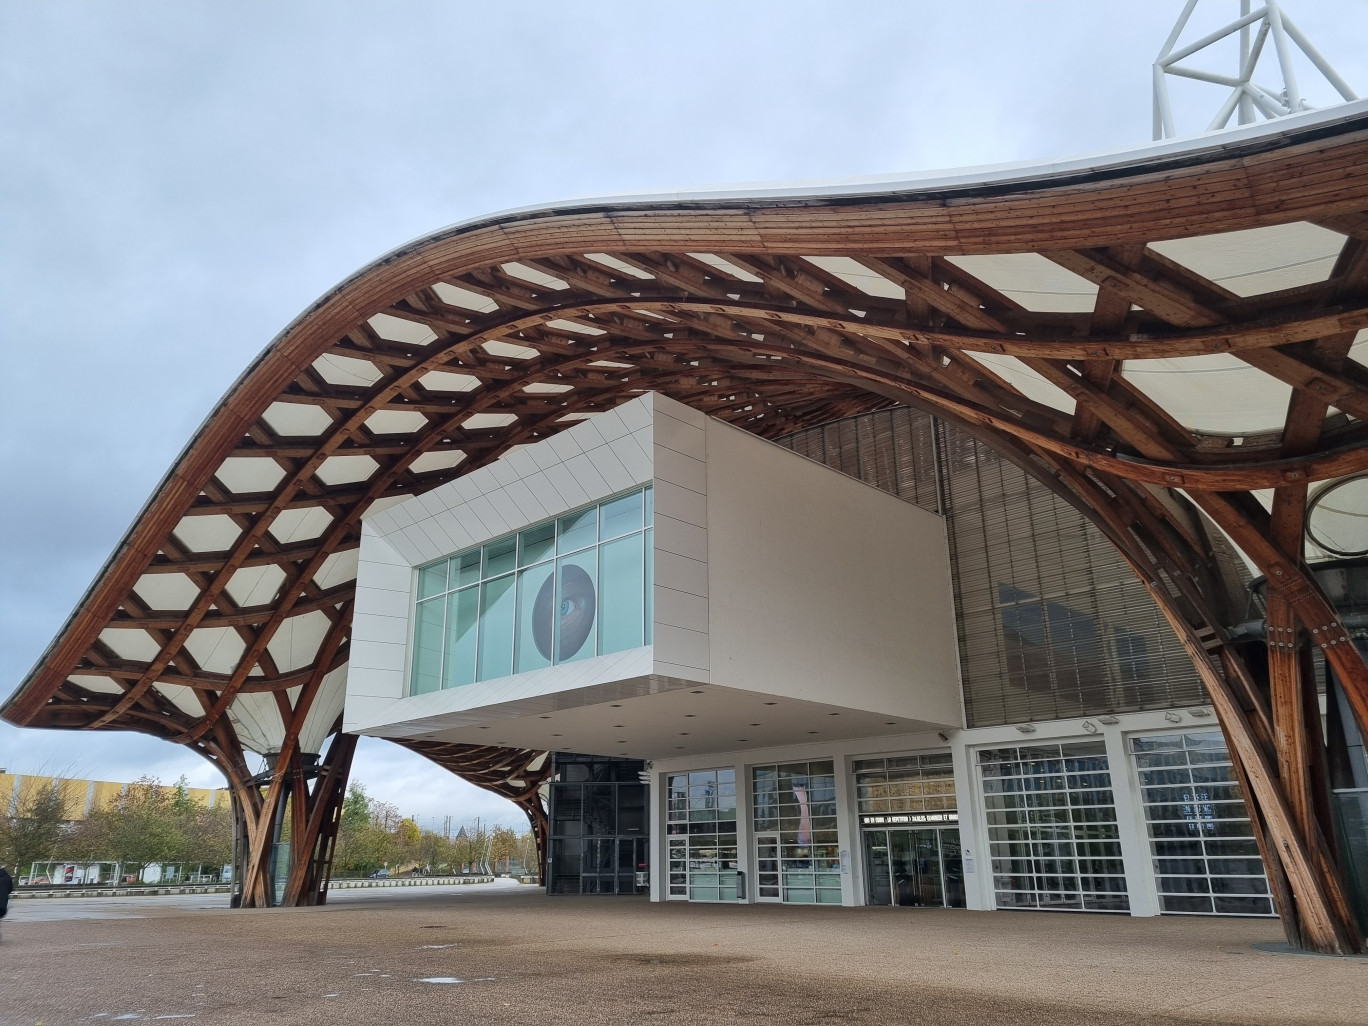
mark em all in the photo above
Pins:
pixel 504 953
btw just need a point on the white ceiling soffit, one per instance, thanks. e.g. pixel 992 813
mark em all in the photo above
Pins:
pixel 1339 519
pixel 1259 260
pixel 167 591
pixel 297 420
pixel 1213 394
pixel 400 329
pixel 1026 381
pixel 326 708
pixel 454 295
pixel 852 272
pixel 257 721
pixel 1037 284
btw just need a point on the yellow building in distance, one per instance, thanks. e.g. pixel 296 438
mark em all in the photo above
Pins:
pixel 81 797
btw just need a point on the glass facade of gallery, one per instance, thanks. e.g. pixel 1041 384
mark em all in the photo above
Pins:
pixel 568 589
pixel 1053 837
pixel 794 819
pixel 1206 861
pixel 701 835
pixel 909 830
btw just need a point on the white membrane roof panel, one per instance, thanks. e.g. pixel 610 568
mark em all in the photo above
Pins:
pixel 1339 520
pixel 296 643
pixel 215 649
pixel 1036 283
pixel 431 461
pixel 181 697
pixel 303 524
pixel 401 329
pixel 338 568
pixel 131 643
pixel 167 591
pixel 852 272
pixel 446 381
pixel 326 708
pixel 100 685
pixel 1025 380
pixel 297 419
pixel 256 718
pixel 1214 394
pixel 454 295
pixel 1259 260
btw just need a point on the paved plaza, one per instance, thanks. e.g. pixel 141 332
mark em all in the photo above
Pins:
pixel 507 954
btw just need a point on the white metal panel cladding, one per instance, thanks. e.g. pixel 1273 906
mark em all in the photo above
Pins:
pixel 1052 830
pixel 1205 858
pixel 1052 623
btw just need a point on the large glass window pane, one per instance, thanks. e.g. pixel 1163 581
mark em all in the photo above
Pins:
pixel 432 580
pixel 427 648
pixel 578 530
pixel 622 596
pixel 463 614
pixel 496 628
pixel 649 589
pixel 620 515
pixel 500 556
pixel 576 606
pixel 536 544
pixel 465 569
pixel 535 599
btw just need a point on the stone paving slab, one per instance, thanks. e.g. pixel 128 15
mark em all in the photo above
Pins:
pixel 501 954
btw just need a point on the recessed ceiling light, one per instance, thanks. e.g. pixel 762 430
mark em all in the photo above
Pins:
pixel 484 728
pixel 771 703
pixel 740 739
pixel 698 692
pixel 548 717
pixel 833 714
pixel 622 742
pixel 616 705
pixel 812 732
pixel 689 716
pixel 618 726
pixel 890 723
pixel 683 733
pixel 678 747
pixel 752 724
pixel 557 735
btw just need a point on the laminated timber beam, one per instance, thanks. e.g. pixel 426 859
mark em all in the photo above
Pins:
pixel 514 327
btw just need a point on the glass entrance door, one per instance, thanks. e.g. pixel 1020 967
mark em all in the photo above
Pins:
pixel 914 868
pixel 767 868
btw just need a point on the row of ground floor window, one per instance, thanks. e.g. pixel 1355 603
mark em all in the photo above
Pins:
pixel 1051 817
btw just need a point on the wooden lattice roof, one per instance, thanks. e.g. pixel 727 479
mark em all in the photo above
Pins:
pixel 1189 316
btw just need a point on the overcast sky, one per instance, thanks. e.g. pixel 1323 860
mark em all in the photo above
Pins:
pixel 178 181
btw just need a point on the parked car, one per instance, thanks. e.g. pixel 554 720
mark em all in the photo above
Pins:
pixel 380 874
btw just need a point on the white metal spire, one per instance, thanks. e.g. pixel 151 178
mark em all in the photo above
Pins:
pixel 1246 96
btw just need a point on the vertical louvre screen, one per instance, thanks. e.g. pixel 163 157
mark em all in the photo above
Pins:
pixel 1052 623
pixel 1052 831
pixel 1205 858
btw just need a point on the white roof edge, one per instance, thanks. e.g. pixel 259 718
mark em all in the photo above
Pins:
pixel 1210 143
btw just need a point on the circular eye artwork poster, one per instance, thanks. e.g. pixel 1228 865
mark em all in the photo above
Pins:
pixel 574 615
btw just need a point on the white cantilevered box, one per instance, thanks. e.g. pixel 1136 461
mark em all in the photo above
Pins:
pixel 649 582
